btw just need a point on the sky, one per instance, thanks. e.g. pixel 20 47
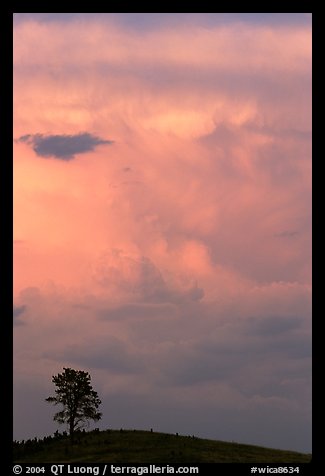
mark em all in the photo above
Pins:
pixel 162 221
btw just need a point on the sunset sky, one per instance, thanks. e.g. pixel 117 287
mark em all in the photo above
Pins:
pixel 162 221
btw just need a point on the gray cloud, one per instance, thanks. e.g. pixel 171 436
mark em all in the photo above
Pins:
pixel 17 312
pixel 287 234
pixel 265 356
pixel 108 353
pixel 149 21
pixel 136 311
pixel 62 146
pixel 274 325
pixel 175 355
pixel 140 277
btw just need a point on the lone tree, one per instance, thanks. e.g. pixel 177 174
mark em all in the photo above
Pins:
pixel 80 402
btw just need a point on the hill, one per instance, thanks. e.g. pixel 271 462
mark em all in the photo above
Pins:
pixel 145 447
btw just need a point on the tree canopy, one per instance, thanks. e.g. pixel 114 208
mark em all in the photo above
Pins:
pixel 77 397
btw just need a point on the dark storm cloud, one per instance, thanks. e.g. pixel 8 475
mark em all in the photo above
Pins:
pixel 17 312
pixel 62 146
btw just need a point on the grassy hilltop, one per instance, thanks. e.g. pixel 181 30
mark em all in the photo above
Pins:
pixel 145 447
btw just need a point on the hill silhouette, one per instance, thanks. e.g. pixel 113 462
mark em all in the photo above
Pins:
pixel 146 447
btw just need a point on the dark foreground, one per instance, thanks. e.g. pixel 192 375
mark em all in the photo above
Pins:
pixel 145 447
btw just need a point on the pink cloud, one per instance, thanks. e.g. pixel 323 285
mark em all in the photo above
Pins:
pixel 155 262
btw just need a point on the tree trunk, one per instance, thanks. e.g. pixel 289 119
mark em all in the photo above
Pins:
pixel 71 431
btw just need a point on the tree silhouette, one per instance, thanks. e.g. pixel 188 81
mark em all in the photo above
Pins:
pixel 80 402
